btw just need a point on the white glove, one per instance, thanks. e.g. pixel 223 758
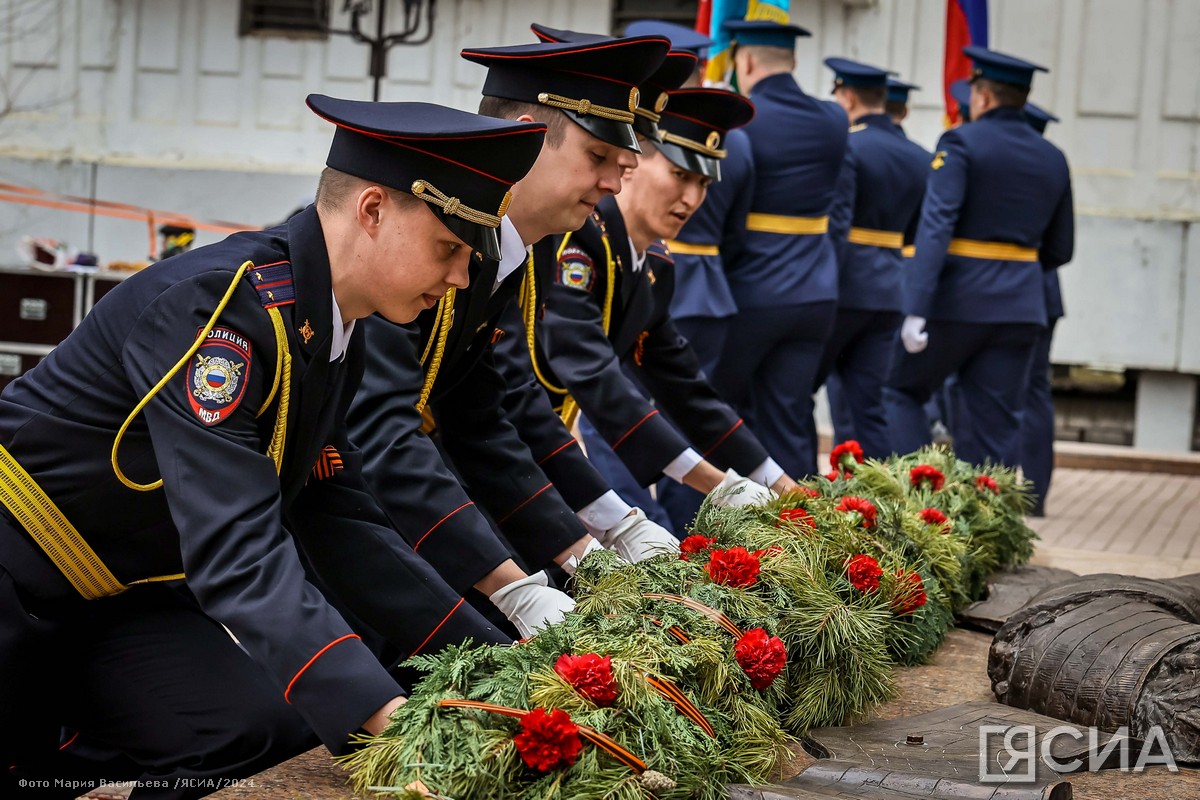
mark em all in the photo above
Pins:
pixel 571 564
pixel 913 335
pixel 636 538
pixel 531 604
pixel 734 491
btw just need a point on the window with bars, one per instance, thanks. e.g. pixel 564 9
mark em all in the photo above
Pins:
pixel 306 19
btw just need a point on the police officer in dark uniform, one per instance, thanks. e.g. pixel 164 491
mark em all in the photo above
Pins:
pixel 997 212
pixel 1037 424
pixel 784 278
pixel 874 214
pixel 601 301
pixel 897 100
pixel 587 93
pixel 170 464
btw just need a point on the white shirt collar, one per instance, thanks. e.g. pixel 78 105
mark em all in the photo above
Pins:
pixel 636 258
pixel 340 340
pixel 512 251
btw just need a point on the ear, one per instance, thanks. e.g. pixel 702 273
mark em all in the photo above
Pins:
pixel 525 118
pixel 369 210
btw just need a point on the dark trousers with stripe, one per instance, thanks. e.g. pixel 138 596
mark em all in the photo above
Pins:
pixel 766 373
pixel 992 362
pixel 141 687
pixel 859 352
pixel 707 336
pixel 1037 425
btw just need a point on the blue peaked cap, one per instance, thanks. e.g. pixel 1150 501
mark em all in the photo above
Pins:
pixel 898 90
pixel 856 74
pixel 1001 67
pixel 763 32
pixel 682 38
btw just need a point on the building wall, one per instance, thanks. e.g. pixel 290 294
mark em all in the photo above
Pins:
pixel 176 112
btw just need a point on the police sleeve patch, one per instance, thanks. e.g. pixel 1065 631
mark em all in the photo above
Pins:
pixel 575 269
pixel 216 377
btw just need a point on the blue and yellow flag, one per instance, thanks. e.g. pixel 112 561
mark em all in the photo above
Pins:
pixel 719 56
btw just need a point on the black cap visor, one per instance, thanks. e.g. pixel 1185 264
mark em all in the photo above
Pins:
pixel 690 160
pixel 618 134
pixel 478 237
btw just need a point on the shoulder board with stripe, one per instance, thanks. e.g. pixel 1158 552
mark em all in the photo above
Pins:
pixel 273 282
pixel 659 250
pixel 862 126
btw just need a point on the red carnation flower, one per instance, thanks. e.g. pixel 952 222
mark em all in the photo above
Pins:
pixel 910 593
pixel 796 516
pixel 864 573
pixel 695 544
pixel 833 476
pixel 733 567
pixel 927 476
pixel 987 482
pixel 590 675
pixel 846 456
pixel 931 516
pixel 864 507
pixel 761 657
pixel 548 741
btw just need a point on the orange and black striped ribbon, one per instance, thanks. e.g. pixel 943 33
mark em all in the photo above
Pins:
pixel 329 463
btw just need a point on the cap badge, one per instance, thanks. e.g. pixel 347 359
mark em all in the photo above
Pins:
pixel 634 98
pixel 714 139
pixel 661 102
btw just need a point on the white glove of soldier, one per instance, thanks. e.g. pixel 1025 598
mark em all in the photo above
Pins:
pixel 531 604
pixel 913 335
pixel 571 564
pixel 734 491
pixel 636 537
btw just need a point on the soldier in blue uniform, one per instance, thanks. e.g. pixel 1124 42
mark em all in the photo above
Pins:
pixel 600 300
pixel 874 215
pixel 176 462
pixel 444 365
pixel 997 211
pixel 784 277
pixel 1037 425
pixel 897 100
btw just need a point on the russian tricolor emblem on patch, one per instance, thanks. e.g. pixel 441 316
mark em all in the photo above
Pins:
pixel 216 378
pixel 575 269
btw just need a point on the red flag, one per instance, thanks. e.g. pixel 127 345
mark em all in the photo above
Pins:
pixel 966 23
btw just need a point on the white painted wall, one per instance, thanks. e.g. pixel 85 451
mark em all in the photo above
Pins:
pixel 181 114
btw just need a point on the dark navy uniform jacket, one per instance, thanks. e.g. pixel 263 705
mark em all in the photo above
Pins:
pixel 420 493
pixel 998 181
pixel 701 288
pixel 878 192
pixel 223 516
pixel 576 351
pixel 799 143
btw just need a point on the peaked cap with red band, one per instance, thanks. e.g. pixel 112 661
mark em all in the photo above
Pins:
pixel 462 164
pixel 694 124
pixel 593 83
pixel 675 68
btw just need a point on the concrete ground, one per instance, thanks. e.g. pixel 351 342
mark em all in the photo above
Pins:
pixel 1130 521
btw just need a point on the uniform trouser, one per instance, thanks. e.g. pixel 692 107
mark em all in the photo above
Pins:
pixel 609 464
pixel 859 352
pixel 140 687
pixel 707 337
pixel 992 362
pixel 839 410
pixel 766 372
pixel 1037 425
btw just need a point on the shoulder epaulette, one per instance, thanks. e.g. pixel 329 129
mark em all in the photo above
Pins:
pixel 862 126
pixel 659 249
pixel 273 282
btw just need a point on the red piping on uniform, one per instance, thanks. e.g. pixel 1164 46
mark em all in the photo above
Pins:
pixel 440 521
pixel 625 435
pixel 564 446
pixel 320 653
pixel 531 498
pixel 69 742
pixel 438 628
pixel 272 264
pixel 725 436
pixel 273 284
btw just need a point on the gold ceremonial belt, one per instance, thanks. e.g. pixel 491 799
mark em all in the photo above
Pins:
pixel 55 534
pixel 779 223
pixel 876 238
pixel 690 249
pixel 997 251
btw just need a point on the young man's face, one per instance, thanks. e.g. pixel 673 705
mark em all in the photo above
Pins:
pixel 415 261
pixel 567 182
pixel 661 195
